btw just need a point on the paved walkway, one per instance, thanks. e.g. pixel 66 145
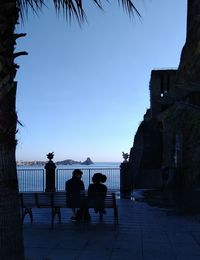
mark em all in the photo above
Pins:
pixel 143 233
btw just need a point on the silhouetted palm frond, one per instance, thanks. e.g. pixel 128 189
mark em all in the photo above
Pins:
pixel 24 6
pixel 71 8
pixel 129 6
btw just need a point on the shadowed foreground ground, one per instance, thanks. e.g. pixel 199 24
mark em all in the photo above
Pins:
pixel 144 232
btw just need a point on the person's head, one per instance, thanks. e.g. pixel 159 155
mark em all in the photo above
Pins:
pixel 96 178
pixel 77 173
pixel 99 177
pixel 103 178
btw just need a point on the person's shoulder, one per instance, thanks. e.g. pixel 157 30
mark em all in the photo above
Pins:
pixel 81 182
pixel 91 185
pixel 68 180
pixel 104 186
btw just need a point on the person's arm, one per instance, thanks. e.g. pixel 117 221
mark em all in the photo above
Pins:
pixel 82 186
pixel 66 185
pixel 89 190
pixel 105 191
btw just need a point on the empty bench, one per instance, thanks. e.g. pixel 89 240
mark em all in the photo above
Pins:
pixel 58 200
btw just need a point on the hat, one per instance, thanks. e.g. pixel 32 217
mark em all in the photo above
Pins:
pixel 77 171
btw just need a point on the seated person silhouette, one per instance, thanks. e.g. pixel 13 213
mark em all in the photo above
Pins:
pixel 74 187
pixel 97 193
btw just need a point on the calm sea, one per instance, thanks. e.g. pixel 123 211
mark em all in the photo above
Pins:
pixel 77 166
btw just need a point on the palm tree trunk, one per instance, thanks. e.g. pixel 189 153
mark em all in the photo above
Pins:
pixel 11 239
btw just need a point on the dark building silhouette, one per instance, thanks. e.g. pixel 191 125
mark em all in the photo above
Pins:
pixel 166 148
pixel 146 156
pixel 161 86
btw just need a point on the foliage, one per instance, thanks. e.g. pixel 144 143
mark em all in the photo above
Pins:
pixel 70 8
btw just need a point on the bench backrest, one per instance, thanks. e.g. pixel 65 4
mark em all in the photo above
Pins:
pixel 60 199
pixel 110 200
pixel 44 199
pixel 36 199
pixel 27 199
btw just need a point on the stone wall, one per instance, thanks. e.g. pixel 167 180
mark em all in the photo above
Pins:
pixel 183 120
pixel 146 155
pixel 189 67
pixel 161 83
pixel 175 103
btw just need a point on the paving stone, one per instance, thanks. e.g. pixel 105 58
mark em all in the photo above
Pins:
pixel 143 233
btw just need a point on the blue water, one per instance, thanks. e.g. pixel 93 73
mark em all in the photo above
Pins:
pixel 77 166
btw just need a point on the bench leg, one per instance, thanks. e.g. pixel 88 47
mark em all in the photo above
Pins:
pixel 55 211
pixel 27 211
pixel 59 214
pixel 116 215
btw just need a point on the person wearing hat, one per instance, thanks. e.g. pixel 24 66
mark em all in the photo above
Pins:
pixel 74 187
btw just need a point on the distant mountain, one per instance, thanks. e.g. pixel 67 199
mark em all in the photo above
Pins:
pixel 67 162
pixel 30 163
pixel 88 161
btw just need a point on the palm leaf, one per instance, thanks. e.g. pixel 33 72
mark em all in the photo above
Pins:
pixel 70 8
pixel 24 6
pixel 129 7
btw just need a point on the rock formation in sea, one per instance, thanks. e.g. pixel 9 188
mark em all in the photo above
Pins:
pixel 88 161
pixel 67 162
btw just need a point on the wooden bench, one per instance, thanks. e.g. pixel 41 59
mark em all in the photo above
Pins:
pixel 58 200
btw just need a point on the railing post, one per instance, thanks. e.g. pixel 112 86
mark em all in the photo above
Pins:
pixel 126 182
pixel 50 174
pixel 57 179
pixel 89 176
pixel 43 179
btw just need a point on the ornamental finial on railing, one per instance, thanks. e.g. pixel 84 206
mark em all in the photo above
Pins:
pixel 125 156
pixel 50 156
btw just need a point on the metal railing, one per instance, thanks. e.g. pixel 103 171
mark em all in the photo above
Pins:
pixel 34 179
pixel 31 179
pixel 113 177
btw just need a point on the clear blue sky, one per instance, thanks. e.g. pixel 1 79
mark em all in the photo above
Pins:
pixel 83 91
